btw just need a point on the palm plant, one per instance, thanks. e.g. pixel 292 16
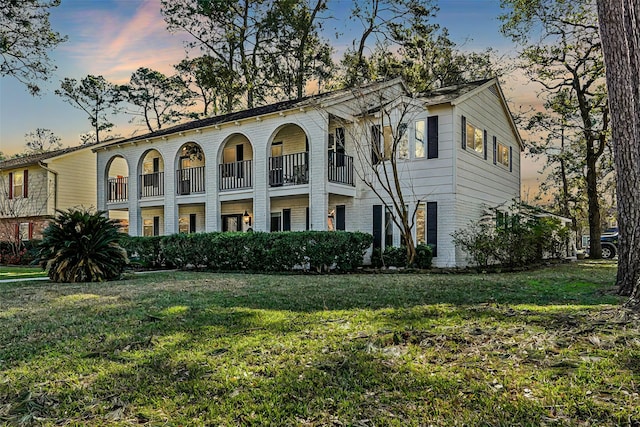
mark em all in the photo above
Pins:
pixel 82 246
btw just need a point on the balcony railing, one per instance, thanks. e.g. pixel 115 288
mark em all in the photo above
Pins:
pixel 117 189
pixel 152 184
pixel 235 175
pixel 190 180
pixel 290 169
pixel 340 168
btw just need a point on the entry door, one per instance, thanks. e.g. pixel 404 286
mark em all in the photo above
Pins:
pixel 232 222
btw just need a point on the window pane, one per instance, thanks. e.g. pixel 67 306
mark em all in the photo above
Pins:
pixel 478 137
pixel 421 230
pixel 419 138
pixel 470 136
pixel 403 143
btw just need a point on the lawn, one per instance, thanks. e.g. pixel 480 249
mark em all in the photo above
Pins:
pixel 547 347
pixel 13 272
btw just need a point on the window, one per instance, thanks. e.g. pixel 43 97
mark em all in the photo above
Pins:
pixel 403 143
pixel 421 230
pixel 151 226
pixel 18 181
pixel 503 154
pixel 331 217
pixel 388 227
pixel 475 139
pixel 24 231
pixel 187 224
pixel 419 138
pixel 376 149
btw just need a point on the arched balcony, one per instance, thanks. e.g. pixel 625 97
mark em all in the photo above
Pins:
pixel 117 180
pixel 235 172
pixel 151 182
pixel 289 157
pixel 190 173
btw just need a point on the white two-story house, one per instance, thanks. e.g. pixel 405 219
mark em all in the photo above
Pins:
pixel 304 165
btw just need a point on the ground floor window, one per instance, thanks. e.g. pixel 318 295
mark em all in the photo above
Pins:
pixel 187 223
pixel 151 226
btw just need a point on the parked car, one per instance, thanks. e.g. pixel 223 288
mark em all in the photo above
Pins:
pixel 609 243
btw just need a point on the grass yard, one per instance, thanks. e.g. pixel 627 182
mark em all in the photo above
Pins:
pixel 13 272
pixel 547 347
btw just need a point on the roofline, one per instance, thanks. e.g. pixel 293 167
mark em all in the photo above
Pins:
pixel 38 158
pixel 300 105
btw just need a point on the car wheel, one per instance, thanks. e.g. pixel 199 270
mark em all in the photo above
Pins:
pixel 608 252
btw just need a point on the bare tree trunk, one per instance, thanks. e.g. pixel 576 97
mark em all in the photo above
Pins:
pixel 620 29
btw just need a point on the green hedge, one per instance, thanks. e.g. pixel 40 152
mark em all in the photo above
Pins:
pixel 257 251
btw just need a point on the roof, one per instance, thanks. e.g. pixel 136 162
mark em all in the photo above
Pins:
pixel 448 94
pixel 326 98
pixel 33 159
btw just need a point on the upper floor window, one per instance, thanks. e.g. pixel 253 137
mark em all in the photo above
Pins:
pixel 18 182
pixel 420 138
pixel 503 154
pixel 475 139
pixel 403 141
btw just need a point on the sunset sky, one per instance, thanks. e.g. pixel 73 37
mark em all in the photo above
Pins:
pixel 113 38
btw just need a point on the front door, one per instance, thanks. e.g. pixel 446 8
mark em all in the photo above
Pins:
pixel 232 222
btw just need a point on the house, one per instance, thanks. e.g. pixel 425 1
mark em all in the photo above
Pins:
pixel 304 164
pixel 34 186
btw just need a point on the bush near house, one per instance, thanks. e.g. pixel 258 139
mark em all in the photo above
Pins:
pixel 397 257
pixel 516 243
pixel 22 254
pixel 258 251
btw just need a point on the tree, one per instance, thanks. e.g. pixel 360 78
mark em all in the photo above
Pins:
pixel 568 57
pixel 254 50
pixel 620 30
pixel 299 54
pixel 160 100
pixel 405 43
pixel 41 141
pixel 236 34
pixel 381 132
pixel 379 18
pixel 93 95
pixel 206 78
pixel 25 39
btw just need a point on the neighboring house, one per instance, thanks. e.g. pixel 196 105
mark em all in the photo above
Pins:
pixel 299 165
pixel 34 186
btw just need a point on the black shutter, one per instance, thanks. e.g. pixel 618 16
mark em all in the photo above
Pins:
pixel 377 226
pixel 307 218
pixel 484 144
pixel 495 150
pixel 25 183
pixel 286 219
pixel 340 217
pixel 464 132
pixel 156 225
pixel 192 223
pixel 510 159
pixel 432 226
pixel 432 137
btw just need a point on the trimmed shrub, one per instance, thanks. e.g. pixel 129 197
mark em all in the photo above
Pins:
pixel 82 246
pixel 147 252
pixel 257 251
